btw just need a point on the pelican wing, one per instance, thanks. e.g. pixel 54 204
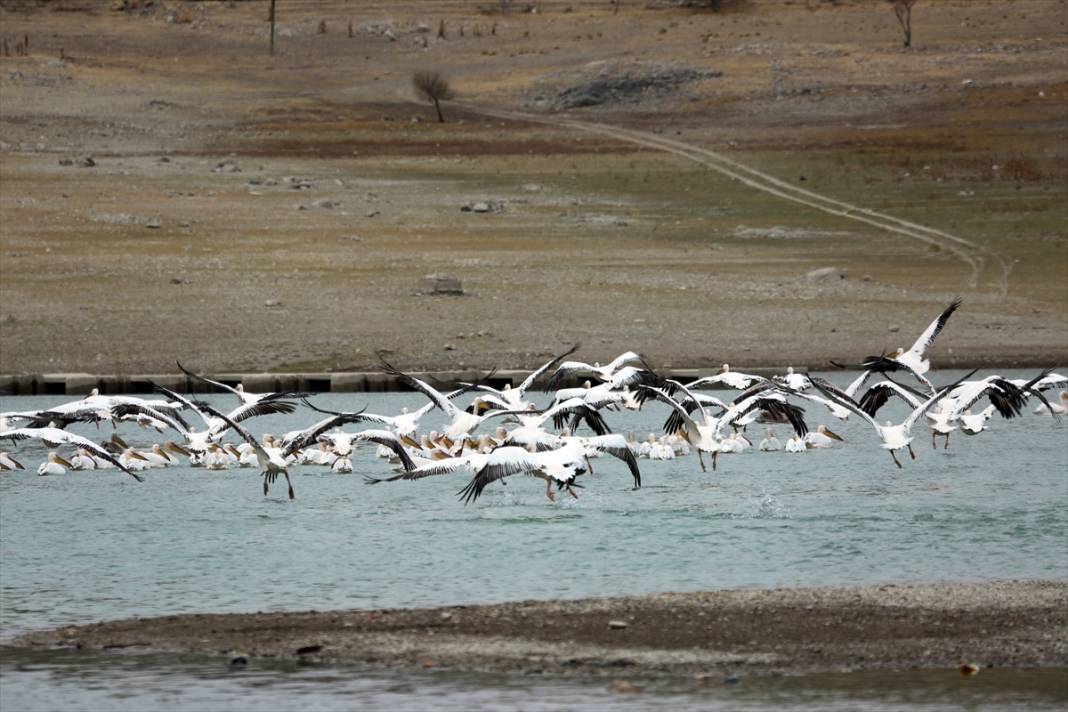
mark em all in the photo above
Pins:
pixel 624 358
pixel 502 462
pixel 932 331
pixel 878 395
pixel 684 415
pixel 56 437
pixel 205 379
pixel 616 446
pixel 436 396
pixel 568 368
pixel 309 435
pixel 384 437
pixel 529 380
pixel 440 467
pixel 834 394
pixel 245 435
pixel 127 409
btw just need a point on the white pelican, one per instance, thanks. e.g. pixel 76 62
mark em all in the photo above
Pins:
pixel 913 359
pixel 559 467
pixel 54 465
pixel 975 423
pixel 9 463
pixel 462 422
pixel 82 460
pixel 1060 408
pixel 821 438
pixel 513 398
pixel 342 465
pixel 795 382
pixel 894 437
pixel 795 444
pixel 770 443
pixel 270 458
pixel 601 373
pixel 56 437
pixel 131 460
pixel 727 377
pixel 245 398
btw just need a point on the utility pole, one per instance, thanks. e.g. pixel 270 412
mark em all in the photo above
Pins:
pixel 272 26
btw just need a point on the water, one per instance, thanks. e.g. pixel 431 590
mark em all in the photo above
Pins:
pixel 91 546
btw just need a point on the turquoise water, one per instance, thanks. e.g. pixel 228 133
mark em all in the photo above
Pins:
pixel 91 546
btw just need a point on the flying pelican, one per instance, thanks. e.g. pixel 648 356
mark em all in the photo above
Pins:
pixel 271 460
pixel 601 373
pixel 559 467
pixel 726 377
pixel 244 397
pixel 57 437
pixel 894 437
pixel 513 398
pixel 913 359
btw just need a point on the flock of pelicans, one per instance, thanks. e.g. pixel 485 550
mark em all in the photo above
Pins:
pixel 541 442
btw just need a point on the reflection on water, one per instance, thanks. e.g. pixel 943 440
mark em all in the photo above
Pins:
pixel 91 681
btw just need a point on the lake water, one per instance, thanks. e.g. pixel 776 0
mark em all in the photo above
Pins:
pixel 90 546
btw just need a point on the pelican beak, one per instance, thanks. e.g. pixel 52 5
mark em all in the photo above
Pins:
pixel 833 436
pixel 409 442
pixel 138 456
pixel 119 441
pixel 175 447
pixel 17 463
pixel 63 462
pixel 232 450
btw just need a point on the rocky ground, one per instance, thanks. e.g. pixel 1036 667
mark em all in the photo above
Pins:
pixel 1014 624
pixel 168 189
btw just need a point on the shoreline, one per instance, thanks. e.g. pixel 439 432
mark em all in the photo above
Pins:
pixel 1018 624
pixel 75 383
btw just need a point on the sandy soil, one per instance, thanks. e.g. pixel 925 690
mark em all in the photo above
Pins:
pixel 1006 624
pixel 245 212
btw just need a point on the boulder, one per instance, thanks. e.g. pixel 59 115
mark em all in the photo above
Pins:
pixel 440 284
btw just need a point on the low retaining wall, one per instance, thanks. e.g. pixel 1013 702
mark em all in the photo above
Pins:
pixel 79 384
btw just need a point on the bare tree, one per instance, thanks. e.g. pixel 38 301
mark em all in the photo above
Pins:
pixel 903 10
pixel 432 86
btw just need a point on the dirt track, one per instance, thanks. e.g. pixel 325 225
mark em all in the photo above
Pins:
pixel 245 213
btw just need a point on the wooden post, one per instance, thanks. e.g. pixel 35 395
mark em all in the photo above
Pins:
pixel 272 26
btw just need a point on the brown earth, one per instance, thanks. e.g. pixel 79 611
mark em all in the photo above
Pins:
pixel 1015 624
pixel 248 212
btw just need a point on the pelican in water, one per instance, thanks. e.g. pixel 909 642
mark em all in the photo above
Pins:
pixel 54 465
pixel 57 437
pixel 822 438
pixel 770 443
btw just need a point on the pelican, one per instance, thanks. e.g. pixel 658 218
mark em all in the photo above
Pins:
pixel 975 423
pixel 770 443
pixel 56 437
pixel 795 444
pixel 795 382
pixel 54 465
pixel 726 377
pixel 557 467
pixel 1060 408
pixel 9 463
pixel 245 398
pixel 601 373
pixel 913 359
pixel 822 438
pixel 82 460
pixel 513 398
pixel 894 437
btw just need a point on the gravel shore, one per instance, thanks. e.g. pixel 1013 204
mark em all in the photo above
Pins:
pixel 1016 624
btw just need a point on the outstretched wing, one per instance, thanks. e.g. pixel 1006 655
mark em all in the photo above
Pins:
pixel 932 331
pixel 529 380
pixel 56 437
pixel 436 396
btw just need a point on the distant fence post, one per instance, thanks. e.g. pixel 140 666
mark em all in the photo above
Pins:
pixel 272 26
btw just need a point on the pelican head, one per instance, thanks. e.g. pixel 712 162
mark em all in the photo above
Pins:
pixel 172 446
pixel 53 457
pixel 823 430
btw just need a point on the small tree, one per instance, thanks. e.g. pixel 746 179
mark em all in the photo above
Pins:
pixel 903 10
pixel 432 86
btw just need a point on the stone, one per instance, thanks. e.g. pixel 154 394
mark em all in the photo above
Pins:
pixel 324 204
pixel 440 284
pixel 617 625
pixel 625 687
pixel 272 303
pixel 825 274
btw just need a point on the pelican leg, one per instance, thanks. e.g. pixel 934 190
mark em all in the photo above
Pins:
pixel 946 446
pixel 893 455
pixel 549 491
pixel 291 494
pixel 702 461
pixel 589 465
pixel 571 492
pixel 934 445
pixel 911 453
pixel 714 455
